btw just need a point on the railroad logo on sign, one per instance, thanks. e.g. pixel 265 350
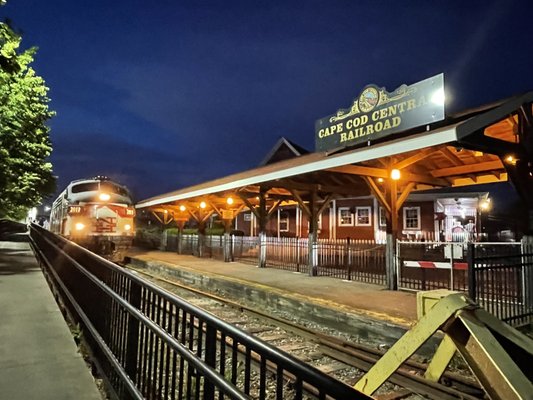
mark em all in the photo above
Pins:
pixel 369 99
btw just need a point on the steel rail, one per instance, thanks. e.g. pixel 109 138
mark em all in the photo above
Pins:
pixel 356 355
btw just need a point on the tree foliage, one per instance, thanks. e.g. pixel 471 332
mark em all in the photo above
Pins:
pixel 25 174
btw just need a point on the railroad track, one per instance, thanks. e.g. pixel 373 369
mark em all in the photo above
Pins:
pixel 344 360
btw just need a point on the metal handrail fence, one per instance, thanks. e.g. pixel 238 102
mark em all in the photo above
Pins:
pixel 213 247
pixel 150 344
pixel 287 253
pixel 245 249
pixel 359 260
pixel 500 279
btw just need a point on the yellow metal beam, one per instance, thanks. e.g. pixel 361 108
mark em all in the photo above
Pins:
pixel 440 360
pixel 514 336
pixel 493 366
pixel 411 341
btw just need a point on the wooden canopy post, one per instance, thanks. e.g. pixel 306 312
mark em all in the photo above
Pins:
pixel 201 220
pixel 181 224
pixel 313 235
pixel 227 219
pixel 228 254
pixel 392 203
pixel 312 210
pixel 201 237
pixel 392 236
pixel 262 217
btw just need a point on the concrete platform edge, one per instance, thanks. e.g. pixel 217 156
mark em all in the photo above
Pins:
pixel 331 315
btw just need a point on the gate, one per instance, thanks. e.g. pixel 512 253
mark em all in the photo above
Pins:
pixel 501 280
pixel 428 266
pixel 357 260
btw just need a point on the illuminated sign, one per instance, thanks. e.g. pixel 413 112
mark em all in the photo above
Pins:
pixel 377 113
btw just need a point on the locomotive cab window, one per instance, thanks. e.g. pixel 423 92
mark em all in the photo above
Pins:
pixel 107 187
pixel 85 187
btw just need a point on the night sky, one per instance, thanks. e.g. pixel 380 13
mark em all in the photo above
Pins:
pixel 165 94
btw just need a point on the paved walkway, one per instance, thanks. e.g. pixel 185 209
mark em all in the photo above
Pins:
pixel 370 300
pixel 38 356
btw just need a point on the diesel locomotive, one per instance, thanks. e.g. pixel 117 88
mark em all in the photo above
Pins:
pixel 96 213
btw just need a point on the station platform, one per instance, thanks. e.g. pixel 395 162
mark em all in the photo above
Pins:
pixel 366 310
pixel 38 356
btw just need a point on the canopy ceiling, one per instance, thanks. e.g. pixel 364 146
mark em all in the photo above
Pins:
pixel 466 149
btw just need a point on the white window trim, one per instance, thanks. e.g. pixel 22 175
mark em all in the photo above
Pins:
pixel 382 210
pixel 288 219
pixel 417 228
pixel 340 209
pixel 369 209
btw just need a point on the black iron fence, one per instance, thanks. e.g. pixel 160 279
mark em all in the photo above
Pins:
pixel 150 344
pixel 359 260
pixel 245 249
pixel 501 280
pixel 291 254
pixel 213 247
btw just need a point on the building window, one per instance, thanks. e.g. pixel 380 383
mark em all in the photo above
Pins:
pixel 284 221
pixel 345 217
pixel 382 217
pixel 411 218
pixel 363 216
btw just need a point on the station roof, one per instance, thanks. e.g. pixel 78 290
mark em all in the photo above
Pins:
pixel 464 149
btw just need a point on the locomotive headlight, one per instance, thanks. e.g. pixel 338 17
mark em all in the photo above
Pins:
pixel 79 226
pixel 127 227
pixel 104 196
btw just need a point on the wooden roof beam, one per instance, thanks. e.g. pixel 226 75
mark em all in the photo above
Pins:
pixel 378 193
pixel 468 169
pixel 382 173
pixel 426 179
pixel 345 189
pixel 405 193
pixel 301 203
pixel 418 156
pixel 491 145
pixel 448 154
pixel 362 171
pixel 252 207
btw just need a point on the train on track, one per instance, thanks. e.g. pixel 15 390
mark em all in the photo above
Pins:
pixel 96 213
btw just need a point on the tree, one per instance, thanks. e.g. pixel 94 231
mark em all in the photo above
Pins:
pixel 25 174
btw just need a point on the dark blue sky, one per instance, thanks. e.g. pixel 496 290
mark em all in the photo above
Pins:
pixel 165 94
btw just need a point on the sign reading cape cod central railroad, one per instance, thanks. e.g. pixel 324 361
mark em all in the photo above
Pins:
pixel 377 113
